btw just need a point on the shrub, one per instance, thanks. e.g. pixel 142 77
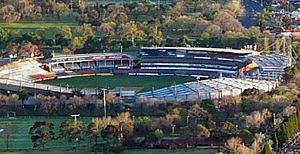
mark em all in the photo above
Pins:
pixel 116 149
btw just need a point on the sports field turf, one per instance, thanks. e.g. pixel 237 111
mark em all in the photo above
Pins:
pixel 144 82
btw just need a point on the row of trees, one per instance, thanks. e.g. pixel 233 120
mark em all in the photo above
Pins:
pixel 52 105
pixel 196 23
pixel 35 10
pixel 113 131
pixel 292 126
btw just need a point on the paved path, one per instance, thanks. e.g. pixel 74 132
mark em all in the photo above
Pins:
pixel 33 88
pixel 251 8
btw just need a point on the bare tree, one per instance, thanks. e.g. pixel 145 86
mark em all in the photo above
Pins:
pixel 258 118
pixel 9 14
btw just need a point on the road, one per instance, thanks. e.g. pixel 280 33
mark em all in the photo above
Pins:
pixel 251 8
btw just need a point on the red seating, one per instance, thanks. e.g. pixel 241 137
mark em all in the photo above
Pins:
pixel 86 71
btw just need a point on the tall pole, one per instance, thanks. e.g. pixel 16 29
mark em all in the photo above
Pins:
pixel 71 7
pixel 187 120
pixel 104 102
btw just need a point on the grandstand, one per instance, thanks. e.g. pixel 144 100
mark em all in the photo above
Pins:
pixel 94 62
pixel 209 89
pixel 21 70
pixel 201 62
pixel 270 66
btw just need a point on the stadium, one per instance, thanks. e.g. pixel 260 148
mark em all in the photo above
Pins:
pixel 201 63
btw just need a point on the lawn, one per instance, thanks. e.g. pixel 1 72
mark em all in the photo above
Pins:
pixel 144 82
pixel 20 142
pixel 131 151
pixel 50 25
pixel 20 126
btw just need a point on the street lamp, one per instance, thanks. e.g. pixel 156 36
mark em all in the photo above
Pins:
pixel 173 128
pixel 187 120
pixel 75 116
pixel 104 101
pixel 75 121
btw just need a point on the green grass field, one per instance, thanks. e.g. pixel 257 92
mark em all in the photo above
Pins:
pixel 144 82
pixel 20 127
pixel 49 24
pixel 20 142
pixel 131 151
pixel 36 25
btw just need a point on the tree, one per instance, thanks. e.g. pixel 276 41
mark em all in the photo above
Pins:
pixel 97 125
pixel 263 20
pixel 9 14
pixel 228 128
pixel 228 23
pixel 72 130
pixel 258 118
pixel 32 37
pixel 23 95
pixel 131 32
pixel 142 100
pixel 197 112
pixel 202 131
pixel 11 49
pixel 276 141
pixel 76 43
pixel 5 36
pixel 85 31
pixel 42 132
pixel 108 28
pixel 65 31
pixel 118 13
pixel 93 132
pixel 27 49
pixel 289 73
pixel 235 7
pixel 61 9
pixel 233 144
pixel 126 124
pixel 31 12
pixel 268 147
pixel 184 41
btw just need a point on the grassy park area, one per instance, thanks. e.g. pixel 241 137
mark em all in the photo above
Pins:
pixel 20 142
pixel 143 82
pixel 20 138
pixel 130 151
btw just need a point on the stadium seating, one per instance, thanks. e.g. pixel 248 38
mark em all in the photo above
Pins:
pixel 271 66
pixel 21 70
pixel 209 89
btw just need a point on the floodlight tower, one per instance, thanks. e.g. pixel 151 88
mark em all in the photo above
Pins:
pixel 75 117
pixel 285 46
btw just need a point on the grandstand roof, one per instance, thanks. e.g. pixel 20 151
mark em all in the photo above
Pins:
pixel 209 89
pixel 234 51
pixel 271 60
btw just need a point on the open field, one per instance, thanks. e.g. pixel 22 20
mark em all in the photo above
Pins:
pixel 145 82
pixel 35 25
pixel 131 151
pixel 20 138
pixel 49 25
